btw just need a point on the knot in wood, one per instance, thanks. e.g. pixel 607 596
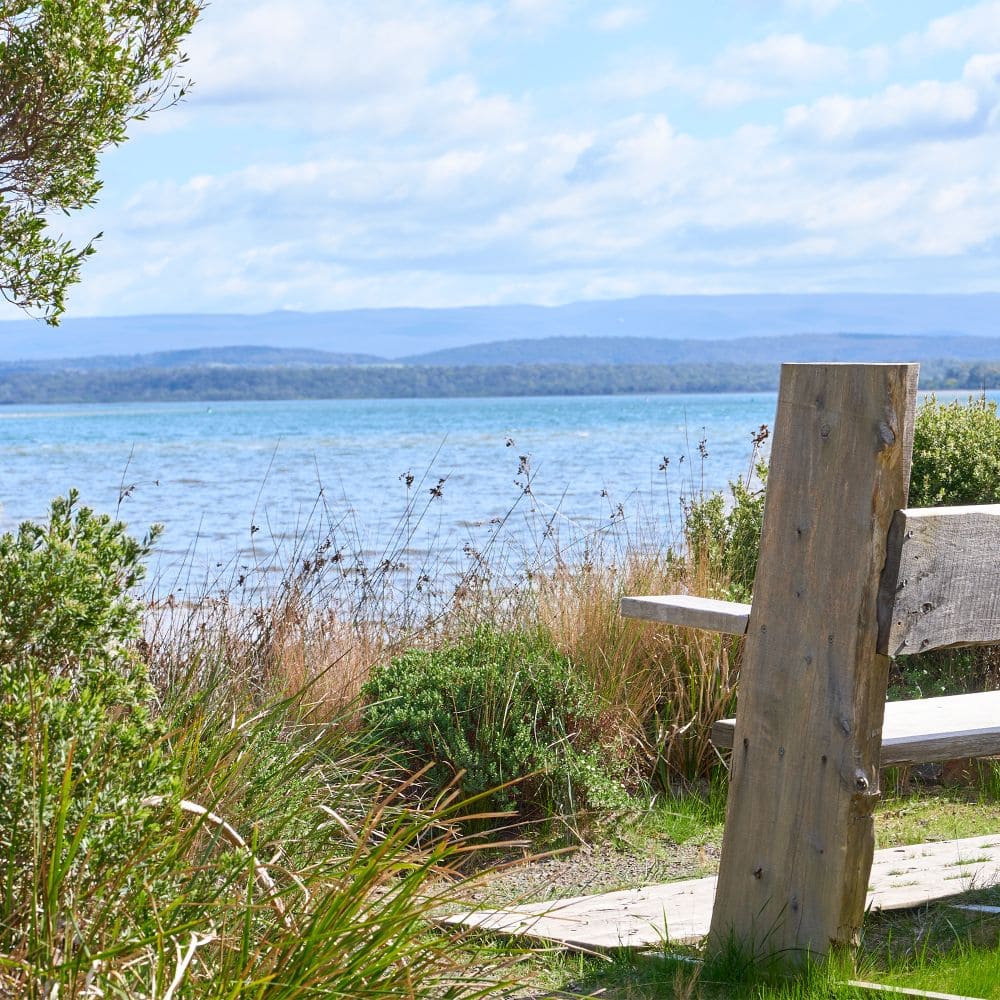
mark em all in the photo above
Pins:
pixel 861 781
pixel 886 434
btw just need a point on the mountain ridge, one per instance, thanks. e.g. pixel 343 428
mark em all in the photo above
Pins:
pixel 402 331
pixel 858 347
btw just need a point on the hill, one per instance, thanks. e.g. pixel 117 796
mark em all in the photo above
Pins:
pixel 600 351
pixel 396 333
pixel 745 350
pixel 237 356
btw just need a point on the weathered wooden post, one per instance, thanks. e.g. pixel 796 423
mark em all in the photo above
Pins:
pixel 798 842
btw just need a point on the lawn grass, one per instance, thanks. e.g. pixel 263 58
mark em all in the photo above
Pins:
pixel 935 948
pixel 916 813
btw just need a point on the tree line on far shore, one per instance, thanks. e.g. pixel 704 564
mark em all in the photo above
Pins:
pixel 392 382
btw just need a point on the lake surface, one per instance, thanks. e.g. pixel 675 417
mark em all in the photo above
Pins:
pixel 238 485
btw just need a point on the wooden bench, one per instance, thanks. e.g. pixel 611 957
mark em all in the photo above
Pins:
pixel 913 732
pixel 925 730
pixel 847 577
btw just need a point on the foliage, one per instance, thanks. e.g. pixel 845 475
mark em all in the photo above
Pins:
pixel 956 453
pixel 79 745
pixel 944 672
pixel 73 74
pixel 495 708
pixel 299 874
pixel 956 461
pixel 172 376
pixel 379 381
pixel 727 536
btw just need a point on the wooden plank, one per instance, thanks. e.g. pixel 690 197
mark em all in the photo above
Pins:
pixel 636 919
pixel 692 612
pixel 926 730
pixel 680 912
pixel 941 584
pixel 798 840
pixel 904 991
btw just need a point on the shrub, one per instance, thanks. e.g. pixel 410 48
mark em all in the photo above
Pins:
pixel 497 707
pixel 660 687
pixel 956 460
pixel 956 453
pixel 79 746
pixel 214 844
pixel 726 538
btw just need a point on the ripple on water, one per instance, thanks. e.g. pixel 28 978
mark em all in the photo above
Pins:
pixel 215 471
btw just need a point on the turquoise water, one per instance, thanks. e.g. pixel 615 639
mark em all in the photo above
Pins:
pixel 234 483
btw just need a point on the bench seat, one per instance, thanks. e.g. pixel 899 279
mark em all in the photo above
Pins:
pixel 927 730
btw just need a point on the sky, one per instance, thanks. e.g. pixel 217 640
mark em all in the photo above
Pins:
pixel 373 153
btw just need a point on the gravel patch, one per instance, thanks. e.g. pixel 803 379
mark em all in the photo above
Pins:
pixel 589 869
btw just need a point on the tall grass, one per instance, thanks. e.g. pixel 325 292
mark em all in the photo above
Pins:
pixel 662 687
pixel 211 838
pixel 334 616
pixel 287 864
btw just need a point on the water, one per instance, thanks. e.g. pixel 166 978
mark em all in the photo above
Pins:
pixel 233 483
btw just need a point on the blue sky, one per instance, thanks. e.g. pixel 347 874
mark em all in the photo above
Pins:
pixel 434 152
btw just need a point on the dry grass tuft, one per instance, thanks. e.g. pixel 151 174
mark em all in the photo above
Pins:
pixel 663 687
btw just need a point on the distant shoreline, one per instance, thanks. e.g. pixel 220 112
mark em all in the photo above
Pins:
pixel 222 384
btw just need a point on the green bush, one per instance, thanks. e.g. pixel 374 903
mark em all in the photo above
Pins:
pixel 500 707
pixel 956 454
pixel 111 871
pixel 956 461
pixel 79 746
pixel 725 538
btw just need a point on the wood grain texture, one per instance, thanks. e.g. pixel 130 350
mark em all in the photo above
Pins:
pixel 798 839
pixel 904 991
pixel 692 612
pixel 681 912
pixel 920 732
pixel 941 584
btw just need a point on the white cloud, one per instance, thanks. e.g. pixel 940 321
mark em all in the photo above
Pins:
pixel 819 8
pixel 974 28
pixel 619 18
pixel 407 179
pixel 325 51
pixel 783 58
pixel 537 13
pixel 930 110
pixel 642 78
pixel 322 64
pixel 770 67
pixel 632 205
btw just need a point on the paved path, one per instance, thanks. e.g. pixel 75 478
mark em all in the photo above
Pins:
pixel 680 912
